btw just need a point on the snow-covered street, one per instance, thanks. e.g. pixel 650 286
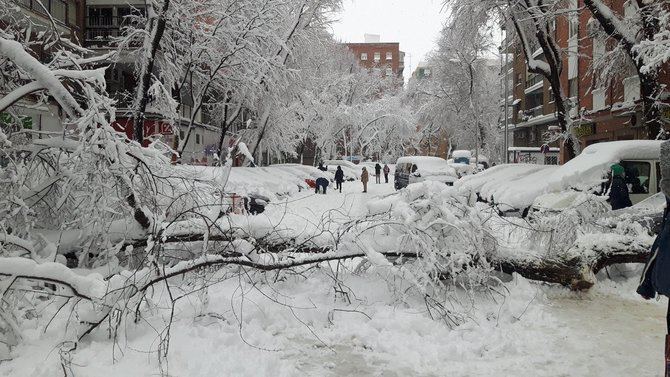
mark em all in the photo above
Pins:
pixel 169 202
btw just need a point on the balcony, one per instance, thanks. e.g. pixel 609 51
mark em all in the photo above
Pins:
pixel 103 24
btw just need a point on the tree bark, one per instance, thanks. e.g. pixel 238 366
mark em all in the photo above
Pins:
pixel 142 95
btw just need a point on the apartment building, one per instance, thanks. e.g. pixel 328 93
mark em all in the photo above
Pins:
pixel 375 55
pixel 599 113
pixel 103 22
pixel 94 24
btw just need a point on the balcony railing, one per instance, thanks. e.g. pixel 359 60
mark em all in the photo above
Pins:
pixel 534 112
pixel 101 29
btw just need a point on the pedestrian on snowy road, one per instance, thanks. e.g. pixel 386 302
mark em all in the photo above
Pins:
pixel 618 196
pixel 387 170
pixel 656 274
pixel 378 172
pixel 339 178
pixel 364 178
pixel 321 185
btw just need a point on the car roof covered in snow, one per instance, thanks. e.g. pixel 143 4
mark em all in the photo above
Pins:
pixel 421 160
pixel 428 164
pixel 517 185
pixel 461 154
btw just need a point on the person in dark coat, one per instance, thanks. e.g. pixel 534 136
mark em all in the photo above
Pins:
pixel 618 191
pixel 387 170
pixel 339 178
pixel 378 172
pixel 321 185
pixel 656 274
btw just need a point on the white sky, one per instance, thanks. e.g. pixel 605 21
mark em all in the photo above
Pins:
pixel 414 23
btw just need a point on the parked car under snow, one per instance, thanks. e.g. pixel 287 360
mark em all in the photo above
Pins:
pixel 352 171
pixel 516 188
pixel 413 169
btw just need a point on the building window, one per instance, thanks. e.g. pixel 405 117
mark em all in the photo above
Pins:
pixel 573 88
pixel 71 12
pixel 389 55
pixel 197 139
pixel 631 89
pixel 389 71
pixel 100 17
pixel 378 56
pixel 58 10
pixel 181 135
pixel 598 99
pixel 364 56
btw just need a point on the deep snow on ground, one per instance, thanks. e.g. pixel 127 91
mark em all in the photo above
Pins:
pixel 301 326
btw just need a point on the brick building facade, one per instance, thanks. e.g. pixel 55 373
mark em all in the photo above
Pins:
pixel 385 57
pixel 600 113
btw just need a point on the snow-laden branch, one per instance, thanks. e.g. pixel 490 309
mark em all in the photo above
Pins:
pixel 41 74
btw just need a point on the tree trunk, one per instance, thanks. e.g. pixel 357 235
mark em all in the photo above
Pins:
pixel 572 269
pixel 142 96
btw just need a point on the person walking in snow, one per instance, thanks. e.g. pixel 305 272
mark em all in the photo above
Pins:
pixel 618 191
pixel 339 178
pixel 364 179
pixel 321 185
pixel 387 170
pixel 378 172
pixel 656 274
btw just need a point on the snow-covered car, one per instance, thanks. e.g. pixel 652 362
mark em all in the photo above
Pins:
pixel 306 171
pixel 412 169
pixel 352 171
pixel 519 187
pixel 460 161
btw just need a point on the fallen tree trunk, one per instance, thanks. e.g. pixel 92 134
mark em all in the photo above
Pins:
pixel 578 271
pixel 575 268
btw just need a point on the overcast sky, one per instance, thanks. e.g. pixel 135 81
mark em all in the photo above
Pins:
pixel 413 23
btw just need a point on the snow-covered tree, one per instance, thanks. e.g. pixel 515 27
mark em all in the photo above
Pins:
pixel 457 98
pixel 641 33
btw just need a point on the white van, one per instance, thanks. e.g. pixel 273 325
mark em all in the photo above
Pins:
pixel 412 169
